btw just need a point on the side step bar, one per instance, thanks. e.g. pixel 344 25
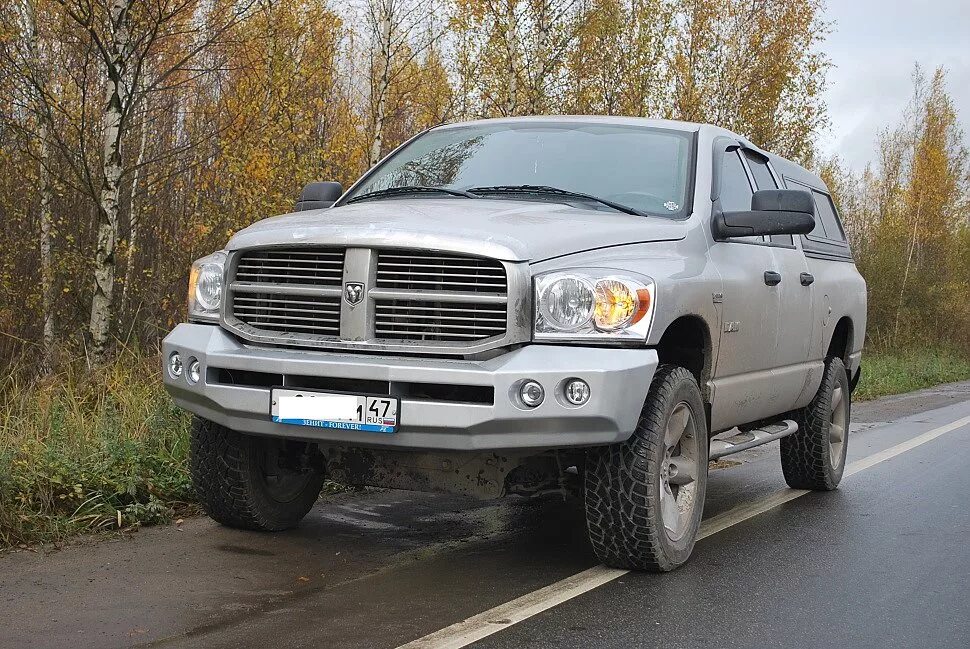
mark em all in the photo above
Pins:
pixel 751 438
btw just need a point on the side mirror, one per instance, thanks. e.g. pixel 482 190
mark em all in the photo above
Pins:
pixel 318 195
pixel 773 211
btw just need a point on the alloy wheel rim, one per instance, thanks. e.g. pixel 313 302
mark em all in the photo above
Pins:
pixel 679 471
pixel 837 426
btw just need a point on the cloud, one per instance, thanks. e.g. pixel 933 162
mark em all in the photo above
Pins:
pixel 874 48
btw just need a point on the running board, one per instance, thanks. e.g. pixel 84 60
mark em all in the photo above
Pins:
pixel 751 438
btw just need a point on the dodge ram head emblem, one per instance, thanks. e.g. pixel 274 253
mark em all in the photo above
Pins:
pixel 353 293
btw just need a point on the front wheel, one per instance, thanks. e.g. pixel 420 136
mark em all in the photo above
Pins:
pixel 645 497
pixel 250 482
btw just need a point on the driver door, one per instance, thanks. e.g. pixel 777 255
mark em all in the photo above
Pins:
pixel 792 332
pixel 745 387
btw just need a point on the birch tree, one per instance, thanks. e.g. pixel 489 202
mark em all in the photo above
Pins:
pixel 400 33
pixel 126 35
pixel 134 218
pixel 27 55
pixel 620 62
pixel 38 67
pixel 753 66
pixel 517 65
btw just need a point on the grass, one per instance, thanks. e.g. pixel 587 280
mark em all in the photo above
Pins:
pixel 84 451
pixel 885 373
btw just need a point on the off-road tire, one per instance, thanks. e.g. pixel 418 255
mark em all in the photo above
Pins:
pixel 805 455
pixel 622 483
pixel 226 470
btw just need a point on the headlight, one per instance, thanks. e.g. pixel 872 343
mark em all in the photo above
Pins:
pixel 593 304
pixel 205 287
pixel 567 302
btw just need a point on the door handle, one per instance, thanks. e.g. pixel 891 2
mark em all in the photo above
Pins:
pixel 772 278
pixel 806 279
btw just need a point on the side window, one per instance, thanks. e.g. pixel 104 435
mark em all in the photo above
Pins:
pixel 736 191
pixel 825 212
pixel 759 169
pixel 764 180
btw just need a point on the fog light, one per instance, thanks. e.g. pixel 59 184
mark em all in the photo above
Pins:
pixel 175 365
pixel 195 370
pixel 577 392
pixel 531 393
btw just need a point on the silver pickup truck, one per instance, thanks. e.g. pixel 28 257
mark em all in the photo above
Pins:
pixel 596 305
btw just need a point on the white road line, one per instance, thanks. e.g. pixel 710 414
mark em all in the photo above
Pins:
pixel 505 615
pixel 902 447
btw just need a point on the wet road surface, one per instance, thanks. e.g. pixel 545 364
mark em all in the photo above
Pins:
pixel 884 561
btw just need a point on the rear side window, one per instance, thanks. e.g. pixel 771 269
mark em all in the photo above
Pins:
pixel 827 240
pixel 818 232
pixel 825 217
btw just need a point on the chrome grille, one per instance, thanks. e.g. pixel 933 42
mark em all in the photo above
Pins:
pixel 438 302
pixel 456 321
pixel 313 267
pixel 419 271
pixel 289 313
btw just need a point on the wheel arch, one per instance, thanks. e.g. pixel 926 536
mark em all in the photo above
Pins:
pixel 840 344
pixel 687 342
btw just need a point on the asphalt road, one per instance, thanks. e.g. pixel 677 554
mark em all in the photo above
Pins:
pixel 882 562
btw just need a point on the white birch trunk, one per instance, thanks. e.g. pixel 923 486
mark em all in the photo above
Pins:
pixel 45 215
pixel 512 50
pixel 134 222
pixel 104 258
pixel 909 262
pixel 539 57
pixel 384 24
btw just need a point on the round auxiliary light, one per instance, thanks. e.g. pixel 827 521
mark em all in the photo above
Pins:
pixel 195 370
pixel 531 393
pixel 175 366
pixel 577 391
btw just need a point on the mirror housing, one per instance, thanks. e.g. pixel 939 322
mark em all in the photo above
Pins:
pixel 318 195
pixel 773 211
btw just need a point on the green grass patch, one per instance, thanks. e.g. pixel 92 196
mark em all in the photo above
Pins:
pixel 885 373
pixel 83 451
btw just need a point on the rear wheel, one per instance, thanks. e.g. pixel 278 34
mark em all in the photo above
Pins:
pixel 645 497
pixel 250 482
pixel 814 456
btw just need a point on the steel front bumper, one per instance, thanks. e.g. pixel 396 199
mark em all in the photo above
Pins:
pixel 618 378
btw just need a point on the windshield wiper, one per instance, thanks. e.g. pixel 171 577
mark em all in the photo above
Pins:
pixel 409 189
pixel 555 191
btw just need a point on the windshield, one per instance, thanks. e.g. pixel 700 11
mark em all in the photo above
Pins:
pixel 643 168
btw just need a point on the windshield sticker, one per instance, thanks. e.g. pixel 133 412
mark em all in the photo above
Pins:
pixel 672 206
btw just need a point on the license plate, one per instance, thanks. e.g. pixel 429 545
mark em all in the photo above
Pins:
pixel 375 414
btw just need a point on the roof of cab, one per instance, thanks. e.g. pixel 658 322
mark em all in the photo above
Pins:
pixel 587 119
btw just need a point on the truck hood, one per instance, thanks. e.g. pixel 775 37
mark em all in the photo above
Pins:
pixel 501 229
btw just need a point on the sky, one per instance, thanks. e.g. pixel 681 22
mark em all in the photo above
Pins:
pixel 873 48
